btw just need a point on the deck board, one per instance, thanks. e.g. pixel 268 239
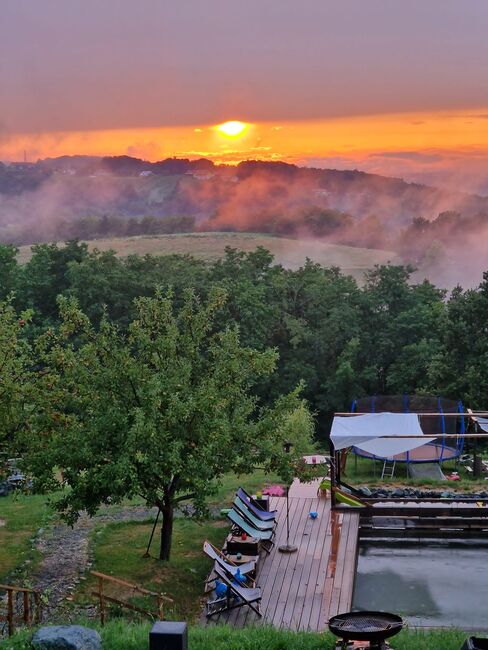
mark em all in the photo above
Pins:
pixel 302 590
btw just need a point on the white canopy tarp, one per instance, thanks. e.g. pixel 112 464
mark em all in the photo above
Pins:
pixel 367 432
pixel 483 422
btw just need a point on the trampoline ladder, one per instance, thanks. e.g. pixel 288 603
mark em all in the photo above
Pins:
pixel 388 469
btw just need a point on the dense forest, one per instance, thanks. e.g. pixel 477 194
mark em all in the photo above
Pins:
pixel 343 340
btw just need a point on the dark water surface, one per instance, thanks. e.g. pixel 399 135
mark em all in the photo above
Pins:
pixel 427 584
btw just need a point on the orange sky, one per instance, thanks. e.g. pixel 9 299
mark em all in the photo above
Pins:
pixel 389 86
pixel 295 141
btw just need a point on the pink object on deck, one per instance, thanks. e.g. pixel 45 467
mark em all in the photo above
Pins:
pixel 274 491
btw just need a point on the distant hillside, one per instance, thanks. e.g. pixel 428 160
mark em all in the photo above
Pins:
pixel 210 246
pixel 100 198
pixel 277 197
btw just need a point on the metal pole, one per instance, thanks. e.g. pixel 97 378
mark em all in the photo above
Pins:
pixel 287 548
pixel 146 554
pixel 287 516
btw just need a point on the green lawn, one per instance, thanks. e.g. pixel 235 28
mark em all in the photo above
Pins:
pixel 118 549
pixel 251 482
pixel 362 471
pixel 118 635
pixel 20 518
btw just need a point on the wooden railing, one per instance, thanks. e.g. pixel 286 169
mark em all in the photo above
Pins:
pixel 161 599
pixel 27 618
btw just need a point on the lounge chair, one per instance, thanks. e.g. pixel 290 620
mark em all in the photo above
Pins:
pixel 236 596
pixel 265 536
pixel 251 517
pixel 226 565
pixel 257 510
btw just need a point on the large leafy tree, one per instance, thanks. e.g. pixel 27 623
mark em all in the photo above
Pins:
pixel 9 270
pixel 17 385
pixel 459 369
pixel 161 412
pixel 401 330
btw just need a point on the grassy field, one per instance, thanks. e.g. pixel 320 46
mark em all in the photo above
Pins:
pixel 362 471
pixel 20 518
pixel 118 549
pixel 118 635
pixel 292 253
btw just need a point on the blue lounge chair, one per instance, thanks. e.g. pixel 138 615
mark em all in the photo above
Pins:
pixel 251 517
pixel 258 511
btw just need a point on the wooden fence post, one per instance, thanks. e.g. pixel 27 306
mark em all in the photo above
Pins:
pixel 10 612
pixel 26 607
pixel 102 602
pixel 37 602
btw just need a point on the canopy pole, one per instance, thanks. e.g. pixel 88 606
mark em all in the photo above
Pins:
pixel 333 454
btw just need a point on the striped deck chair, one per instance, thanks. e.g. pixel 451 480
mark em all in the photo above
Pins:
pixel 251 517
pixel 236 596
pixel 227 565
pixel 265 536
pixel 257 510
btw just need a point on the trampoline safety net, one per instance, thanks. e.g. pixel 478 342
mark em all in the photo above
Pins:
pixel 444 448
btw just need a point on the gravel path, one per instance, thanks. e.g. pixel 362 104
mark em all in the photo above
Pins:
pixel 65 558
pixel 66 555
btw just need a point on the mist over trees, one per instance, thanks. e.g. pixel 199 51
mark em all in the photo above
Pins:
pixel 88 198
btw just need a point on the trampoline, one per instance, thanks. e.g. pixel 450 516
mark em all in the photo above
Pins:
pixel 442 449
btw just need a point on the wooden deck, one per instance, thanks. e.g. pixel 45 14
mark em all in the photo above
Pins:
pixel 303 590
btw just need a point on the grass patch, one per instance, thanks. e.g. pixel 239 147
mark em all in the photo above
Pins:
pixel 23 515
pixel 118 635
pixel 363 471
pixel 118 551
pixel 210 246
pixel 251 482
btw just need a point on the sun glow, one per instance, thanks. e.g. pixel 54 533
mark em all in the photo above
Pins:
pixel 232 129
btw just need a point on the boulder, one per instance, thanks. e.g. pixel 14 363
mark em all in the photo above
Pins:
pixel 66 637
pixel 365 491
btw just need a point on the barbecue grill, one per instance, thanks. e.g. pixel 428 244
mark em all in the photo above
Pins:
pixel 372 627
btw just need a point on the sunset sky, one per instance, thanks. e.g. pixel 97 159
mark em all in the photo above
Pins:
pixel 395 87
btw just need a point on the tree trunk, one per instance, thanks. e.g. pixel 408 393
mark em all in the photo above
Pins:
pixel 166 531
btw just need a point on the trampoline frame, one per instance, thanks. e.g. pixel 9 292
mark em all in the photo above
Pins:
pixel 447 452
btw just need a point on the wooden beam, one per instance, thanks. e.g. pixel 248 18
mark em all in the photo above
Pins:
pixel 19 589
pixel 124 583
pixel 127 605
pixel 423 414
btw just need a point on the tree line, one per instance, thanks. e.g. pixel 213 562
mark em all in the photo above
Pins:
pixel 155 375
pixel 343 339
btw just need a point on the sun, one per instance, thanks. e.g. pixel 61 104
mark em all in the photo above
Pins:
pixel 232 129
